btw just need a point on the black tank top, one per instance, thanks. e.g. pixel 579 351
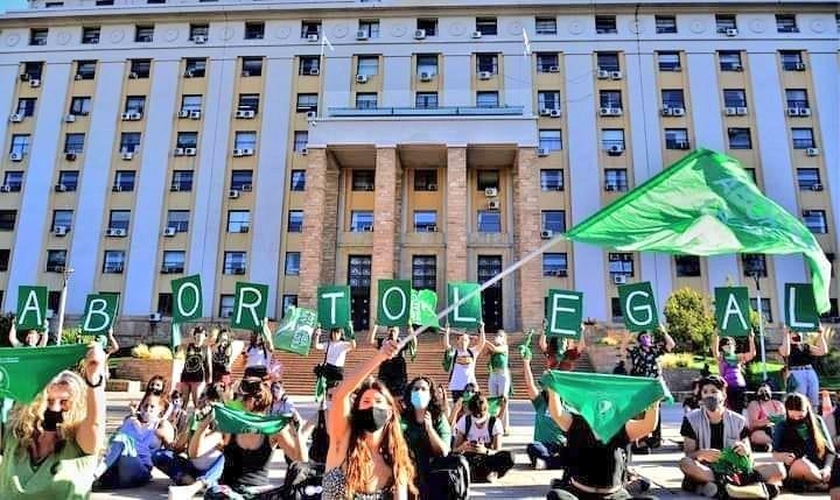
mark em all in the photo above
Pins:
pixel 221 359
pixel 246 467
pixel 194 364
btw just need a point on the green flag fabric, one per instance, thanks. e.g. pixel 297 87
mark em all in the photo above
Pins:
pixel 705 204
pixel 732 463
pixel 525 348
pixel 236 421
pixel 424 308
pixel 320 388
pixel 24 371
pixel 394 304
pixel 606 402
pixel 295 332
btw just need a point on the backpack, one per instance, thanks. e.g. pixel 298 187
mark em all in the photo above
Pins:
pixel 491 422
pixel 303 481
pixel 448 478
pixel 320 439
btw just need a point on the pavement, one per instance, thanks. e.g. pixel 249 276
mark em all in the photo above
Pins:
pixel 522 482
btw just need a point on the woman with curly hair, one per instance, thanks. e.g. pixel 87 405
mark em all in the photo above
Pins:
pixel 368 457
pixel 52 443
pixel 424 425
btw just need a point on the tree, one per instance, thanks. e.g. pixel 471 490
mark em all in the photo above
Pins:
pixel 690 321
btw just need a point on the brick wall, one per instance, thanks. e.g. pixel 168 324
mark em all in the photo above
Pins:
pixel 319 226
pixel 456 214
pixel 386 223
pixel 526 238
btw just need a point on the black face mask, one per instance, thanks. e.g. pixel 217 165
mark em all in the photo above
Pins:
pixel 156 392
pixel 796 421
pixel 52 419
pixel 370 420
pixel 764 396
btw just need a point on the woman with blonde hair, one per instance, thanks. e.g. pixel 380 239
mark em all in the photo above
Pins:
pixel 368 458
pixel 52 443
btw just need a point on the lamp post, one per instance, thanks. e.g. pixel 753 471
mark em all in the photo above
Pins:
pixel 756 275
pixel 62 303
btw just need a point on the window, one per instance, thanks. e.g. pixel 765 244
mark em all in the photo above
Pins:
pixel 765 309
pixel 612 140
pixel 754 264
pixel 610 99
pixel 56 260
pixel 310 28
pixel 361 220
pixel 307 102
pixel 252 66
pixel 199 30
pixel 428 64
pixel 549 99
pixel 808 179
pixel 547 63
pixel 50 5
pixel 615 309
pixel 301 140
pixel 239 221
pixel 85 70
pixel 669 61
pixel 605 25
pixel 289 300
pixel 554 220
pixel 815 221
pixel 7 220
pixel 673 98
pixel 226 306
pixel 26 106
pixel 119 219
pixel 363 180
pixel 367 65
pixel 425 221
pixel 33 69
pixel 195 68
pixel 245 140
pixel 20 144
pixel 38 36
pixel 688 266
pixel 487 63
pixel 730 60
pixel 191 103
pixel 295 224
pixel 803 138
pixel 68 179
pixel 796 98
pixel 370 27
pixel 367 100
pixel 135 104
pixel 551 180
pixel 80 106
pixel 488 179
pixel 551 140
pixel 426 100
pixel 309 65
pixel 179 220
pixel 428 25
pixel 124 180
pixel 555 265
pixel 144 34
pixel 129 142
pixel 114 262
pixel 487 99
pixel 241 180
pixel 292 263
pixel 486 26
pixel 734 98
pixel 298 182
pixel 182 180
pixel 725 22
pixel 425 180
pixel 141 68
pixel 739 138
pixel 90 35
pixel 173 262
pixel 187 140
pixel 676 138
pixel 546 25
pixel 621 264
pixel 74 143
pixel 234 263
pixel 615 179
pixel 424 272
pixel 792 60
pixel 4 260
pixel 62 218
pixel 666 24
pixel 254 31
pixel 14 180
pixel 489 221
pixel 786 23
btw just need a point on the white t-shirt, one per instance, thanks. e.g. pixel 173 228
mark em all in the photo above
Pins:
pixel 256 357
pixel 479 432
pixel 336 352
pixel 463 369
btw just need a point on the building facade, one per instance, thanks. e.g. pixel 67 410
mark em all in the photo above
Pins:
pixel 344 142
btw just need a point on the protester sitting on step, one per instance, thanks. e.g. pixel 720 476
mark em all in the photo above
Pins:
pixel 335 355
pixel 800 358
pixel 802 443
pixel 459 406
pixel 464 356
pixel 478 436
pixel 731 368
pixel 547 450
pixel 424 426
pixel 258 354
pixel 393 372
pixel 762 415
pixel 499 381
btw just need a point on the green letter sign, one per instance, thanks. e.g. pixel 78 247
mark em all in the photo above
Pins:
pixel 394 304
pixel 249 305
pixel 333 306
pixel 100 313
pixel 732 311
pixel 800 308
pixel 564 314
pixel 638 307
pixel 468 314
pixel 31 308
pixel 186 299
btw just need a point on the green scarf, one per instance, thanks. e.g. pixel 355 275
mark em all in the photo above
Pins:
pixel 236 421
pixel 448 359
pixel 24 371
pixel 732 463
pixel 525 348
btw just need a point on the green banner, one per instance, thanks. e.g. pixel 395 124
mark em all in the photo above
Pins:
pixel 468 314
pixel 186 299
pixel 424 308
pixel 31 308
pixel 100 313
pixel 250 302
pixel 800 310
pixel 394 305
pixel 565 313
pixel 638 307
pixel 24 371
pixel 732 311
pixel 333 306
pixel 295 331
pixel 235 421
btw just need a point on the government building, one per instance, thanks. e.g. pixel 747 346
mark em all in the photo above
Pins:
pixel 341 142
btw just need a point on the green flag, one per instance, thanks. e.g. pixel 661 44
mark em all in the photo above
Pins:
pixel 31 308
pixel 638 307
pixel 732 311
pixel 565 313
pixel 800 311
pixel 424 308
pixel 333 306
pixel 100 313
pixel 606 402
pixel 24 371
pixel 236 421
pixel 250 301
pixel 186 299
pixel 394 304
pixel 705 204
pixel 295 331
pixel 468 314
pixel 525 348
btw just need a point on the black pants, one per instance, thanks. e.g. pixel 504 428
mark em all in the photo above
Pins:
pixel 735 398
pixel 482 465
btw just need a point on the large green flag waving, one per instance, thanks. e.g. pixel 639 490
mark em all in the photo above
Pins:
pixel 24 371
pixel 235 421
pixel 295 332
pixel 705 204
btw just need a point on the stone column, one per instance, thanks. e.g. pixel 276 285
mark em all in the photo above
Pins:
pixel 320 219
pixel 386 221
pixel 526 238
pixel 456 214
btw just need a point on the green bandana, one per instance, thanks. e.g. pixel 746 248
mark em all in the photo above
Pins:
pixel 525 348
pixel 234 421
pixel 24 371
pixel 732 463
pixel 320 388
pixel 448 360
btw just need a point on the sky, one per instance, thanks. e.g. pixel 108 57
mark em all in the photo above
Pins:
pixel 11 4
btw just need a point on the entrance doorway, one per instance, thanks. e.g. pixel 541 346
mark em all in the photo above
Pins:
pixel 358 277
pixel 491 298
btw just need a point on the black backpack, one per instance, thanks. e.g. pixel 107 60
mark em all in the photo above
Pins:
pixel 303 481
pixel 320 439
pixel 448 478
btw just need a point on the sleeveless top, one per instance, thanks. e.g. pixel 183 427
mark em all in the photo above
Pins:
pixel 246 467
pixel 730 370
pixel 499 361
pixel 221 359
pixel 335 488
pixel 257 356
pixel 194 364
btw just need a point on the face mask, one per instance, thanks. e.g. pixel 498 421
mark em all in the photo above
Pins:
pixel 712 403
pixel 420 399
pixel 52 419
pixel 796 421
pixel 176 404
pixel 729 350
pixel 645 341
pixel 370 420
pixel 146 416
pixel 764 396
pixel 155 391
pixel 467 396
pixel 500 340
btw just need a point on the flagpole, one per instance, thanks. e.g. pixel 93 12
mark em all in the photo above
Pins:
pixel 760 325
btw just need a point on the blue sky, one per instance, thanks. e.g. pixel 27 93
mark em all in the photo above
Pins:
pixel 11 4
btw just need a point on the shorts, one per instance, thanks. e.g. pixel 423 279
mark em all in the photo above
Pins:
pixel 499 384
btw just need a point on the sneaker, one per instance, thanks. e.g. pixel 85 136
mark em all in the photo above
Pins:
pixel 492 477
pixel 539 464
pixel 708 490
pixel 755 490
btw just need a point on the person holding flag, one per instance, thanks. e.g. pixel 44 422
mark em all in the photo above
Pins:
pixel 547 451
pixel 464 358
pixel 731 368
pixel 393 372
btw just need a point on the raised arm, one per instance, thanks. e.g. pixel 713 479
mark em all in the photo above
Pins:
pixel 820 348
pixel 749 355
pixel 482 335
pixel 784 349
pixel 530 383
pixel 266 333
pixel 353 340
pixel 90 435
pixel 716 346
pixel 13 335
pixel 561 417
pixel 317 338
pixel 543 342
pixel 581 344
pixel 204 439
pixel 637 429
pixel 446 344
pixel 372 336
pixel 669 341
pixel 113 345
pixel 45 335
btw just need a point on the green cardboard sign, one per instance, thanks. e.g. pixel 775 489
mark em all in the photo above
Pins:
pixel 31 308
pixel 295 332
pixel 187 303
pixel 468 314
pixel 732 311
pixel 333 306
pixel 564 314
pixel 250 302
pixel 800 308
pixel 394 305
pixel 424 308
pixel 100 313
pixel 638 306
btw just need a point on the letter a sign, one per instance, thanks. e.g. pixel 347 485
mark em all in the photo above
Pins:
pixel 732 311
pixel 800 308
pixel 31 308
pixel 100 313
pixel 186 299
pixel 249 305
pixel 394 304
pixel 638 307
pixel 333 306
